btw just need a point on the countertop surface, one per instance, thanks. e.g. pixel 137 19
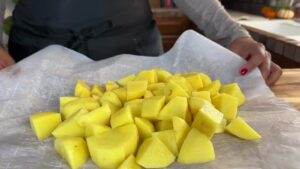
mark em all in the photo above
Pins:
pixel 288 87
pixel 240 16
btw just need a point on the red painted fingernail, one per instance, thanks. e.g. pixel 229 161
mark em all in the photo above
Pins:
pixel 248 58
pixel 244 71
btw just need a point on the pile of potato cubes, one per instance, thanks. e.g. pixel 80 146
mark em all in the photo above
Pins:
pixel 147 120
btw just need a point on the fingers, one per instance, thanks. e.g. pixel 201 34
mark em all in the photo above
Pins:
pixel 266 66
pixel 275 74
pixel 2 65
pixel 258 56
pixel 5 59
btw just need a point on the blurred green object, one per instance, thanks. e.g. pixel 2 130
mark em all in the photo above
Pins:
pixel 7 24
pixel 15 1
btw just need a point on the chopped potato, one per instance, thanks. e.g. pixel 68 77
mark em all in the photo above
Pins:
pixel 82 89
pixel 130 163
pixel 152 106
pixel 145 127
pixel 155 115
pixel 241 129
pixel 109 86
pixel 38 121
pixel 136 89
pixel 153 153
pixel 196 148
pixel 175 107
pixel 73 150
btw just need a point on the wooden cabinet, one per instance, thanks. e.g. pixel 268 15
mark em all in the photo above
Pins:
pixel 171 23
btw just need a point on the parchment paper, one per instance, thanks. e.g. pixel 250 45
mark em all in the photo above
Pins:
pixel 36 83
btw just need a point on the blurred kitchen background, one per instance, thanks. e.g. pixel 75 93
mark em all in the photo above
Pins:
pixel 275 23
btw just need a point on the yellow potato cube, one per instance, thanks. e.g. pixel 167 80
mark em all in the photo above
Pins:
pixel 175 107
pixel 176 90
pixel 195 81
pixel 109 86
pixel 97 90
pixel 121 93
pixel 182 82
pixel 135 107
pixel 165 91
pixel 74 106
pixel 196 149
pixel 148 94
pixel 152 106
pixel 164 125
pixel 221 128
pixel 156 86
pixel 202 94
pixel 73 150
pixel 136 89
pixel 44 123
pixel 207 120
pixel 123 116
pixel 70 127
pixel 144 126
pixel 195 103
pixel 241 129
pixel 109 149
pixel 205 79
pixel 163 75
pixel 96 97
pixel 181 129
pixel 82 89
pixel 100 115
pixel 105 155
pixel 130 144
pixel 64 100
pixel 113 108
pixel 169 139
pixel 123 82
pixel 130 163
pixel 213 88
pixel 95 129
pixel 226 104
pixel 112 98
pixel 148 75
pixel 233 89
pixel 153 153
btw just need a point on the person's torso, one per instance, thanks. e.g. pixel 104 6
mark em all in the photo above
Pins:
pixel 96 28
pixel 74 13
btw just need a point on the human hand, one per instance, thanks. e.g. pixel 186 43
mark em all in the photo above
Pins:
pixel 256 56
pixel 5 59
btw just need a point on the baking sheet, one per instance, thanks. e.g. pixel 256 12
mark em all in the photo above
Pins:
pixel 36 83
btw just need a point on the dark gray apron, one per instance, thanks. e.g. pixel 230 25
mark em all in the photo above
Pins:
pixel 96 28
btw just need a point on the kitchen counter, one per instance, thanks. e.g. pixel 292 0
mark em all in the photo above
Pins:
pixel 240 16
pixel 288 87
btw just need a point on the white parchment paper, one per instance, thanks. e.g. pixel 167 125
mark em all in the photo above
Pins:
pixel 36 83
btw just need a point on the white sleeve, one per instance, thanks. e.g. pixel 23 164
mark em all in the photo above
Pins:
pixel 211 17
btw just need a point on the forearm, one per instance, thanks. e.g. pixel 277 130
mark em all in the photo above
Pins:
pixel 211 17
